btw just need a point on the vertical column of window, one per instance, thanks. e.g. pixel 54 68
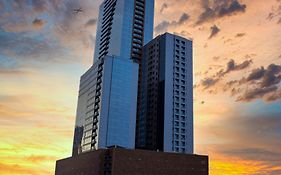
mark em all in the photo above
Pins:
pixel 89 86
pixel 183 77
pixel 176 97
pixel 138 30
pixel 107 20
pixel 82 94
pixel 97 106
pixel 180 95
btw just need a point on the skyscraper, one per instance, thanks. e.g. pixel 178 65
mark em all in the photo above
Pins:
pixel 107 102
pixel 165 119
pixel 124 26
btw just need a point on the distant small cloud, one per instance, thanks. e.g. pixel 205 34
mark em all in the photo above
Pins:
pixel 238 35
pixel 208 82
pixel 91 22
pixel 216 58
pixel 214 31
pixel 184 17
pixel 163 7
pixel 38 23
pixel 164 25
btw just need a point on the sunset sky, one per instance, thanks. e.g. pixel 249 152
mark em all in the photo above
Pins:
pixel 45 48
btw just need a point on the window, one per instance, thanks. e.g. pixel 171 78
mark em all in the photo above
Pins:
pixel 182 81
pixel 182 100
pixel 183 131
pixel 183 143
pixel 183 137
pixel 183 70
pixel 183 112
pixel 182 124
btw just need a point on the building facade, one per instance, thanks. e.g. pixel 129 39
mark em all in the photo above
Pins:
pixel 165 118
pixel 124 26
pixel 106 111
pixel 107 102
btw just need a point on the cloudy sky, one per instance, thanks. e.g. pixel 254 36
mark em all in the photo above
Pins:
pixel 45 47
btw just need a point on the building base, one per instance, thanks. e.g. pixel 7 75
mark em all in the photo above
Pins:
pixel 118 161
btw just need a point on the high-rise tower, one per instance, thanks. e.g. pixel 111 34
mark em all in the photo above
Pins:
pixel 165 120
pixel 107 102
pixel 124 26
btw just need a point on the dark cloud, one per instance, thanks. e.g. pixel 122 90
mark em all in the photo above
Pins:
pixel 266 77
pixel 261 83
pixel 272 76
pixel 38 23
pixel 219 8
pixel 256 93
pixel 91 22
pixel 256 74
pixel 214 31
pixel 164 25
pixel 234 7
pixel 209 82
pixel 163 7
pixel 230 67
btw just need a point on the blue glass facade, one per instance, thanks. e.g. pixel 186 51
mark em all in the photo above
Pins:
pixel 107 103
pixel 124 26
pixel 122 104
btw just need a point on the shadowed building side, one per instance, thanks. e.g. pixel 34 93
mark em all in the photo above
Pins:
pixel 116 161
